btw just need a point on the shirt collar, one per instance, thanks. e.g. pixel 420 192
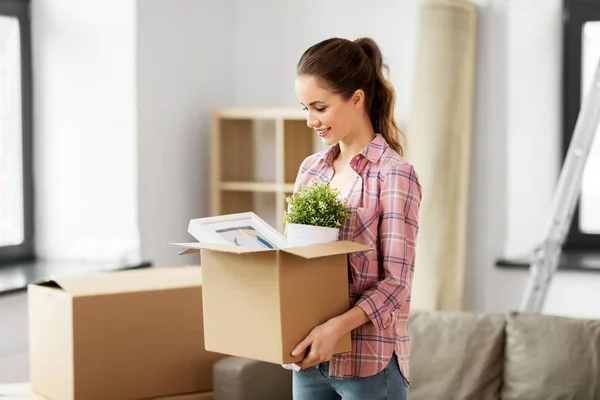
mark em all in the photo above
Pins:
pixel 372 152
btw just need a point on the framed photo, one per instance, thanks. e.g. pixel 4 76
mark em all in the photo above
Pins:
pixel 243 229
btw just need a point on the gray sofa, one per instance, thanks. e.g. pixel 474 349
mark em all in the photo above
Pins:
pixel 456 355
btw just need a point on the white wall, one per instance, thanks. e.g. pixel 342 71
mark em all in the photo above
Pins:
pixel 534 118
pixel 271 36
pixel 14 338
pixel 487 222
pixel 85 129
pixel 122 103
pixel 184 62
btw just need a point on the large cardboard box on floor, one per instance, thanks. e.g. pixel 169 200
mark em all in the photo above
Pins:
pixel 119 335
pixel 259 303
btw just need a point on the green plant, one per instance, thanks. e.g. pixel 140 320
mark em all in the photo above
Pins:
pixel 316 204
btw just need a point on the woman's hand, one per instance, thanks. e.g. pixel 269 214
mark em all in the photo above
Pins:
pixel 320 343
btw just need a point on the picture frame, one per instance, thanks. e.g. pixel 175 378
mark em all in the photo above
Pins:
pixel 241 229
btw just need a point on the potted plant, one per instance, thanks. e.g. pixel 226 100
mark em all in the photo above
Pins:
pixel 315 214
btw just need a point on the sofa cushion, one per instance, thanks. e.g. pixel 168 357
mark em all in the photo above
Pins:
pixel 549 357
pixel 455 355
pixel 237 378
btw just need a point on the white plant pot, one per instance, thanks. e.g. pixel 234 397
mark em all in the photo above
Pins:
pixel 304 235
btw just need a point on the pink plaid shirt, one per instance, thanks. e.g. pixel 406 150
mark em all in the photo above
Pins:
pixel 385 199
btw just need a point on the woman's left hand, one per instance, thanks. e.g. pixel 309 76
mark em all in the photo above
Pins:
pixel 320 343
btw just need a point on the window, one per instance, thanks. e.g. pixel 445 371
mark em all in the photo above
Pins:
pixel 589 218
pixel 16 182
pixel 581 56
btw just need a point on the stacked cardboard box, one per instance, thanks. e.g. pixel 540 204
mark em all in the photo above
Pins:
pixel 122 335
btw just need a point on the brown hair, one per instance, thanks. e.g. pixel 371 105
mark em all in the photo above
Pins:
pixel 347 66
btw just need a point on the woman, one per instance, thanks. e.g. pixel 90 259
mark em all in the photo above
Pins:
pixel 350 105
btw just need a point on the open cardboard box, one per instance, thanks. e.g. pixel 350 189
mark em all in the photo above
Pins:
pixel 119 335
pixel 259 303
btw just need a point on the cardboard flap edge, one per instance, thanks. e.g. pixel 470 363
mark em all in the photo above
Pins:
pixel 328 249
pixel 47 282
pixel 224 248
pixel 122 281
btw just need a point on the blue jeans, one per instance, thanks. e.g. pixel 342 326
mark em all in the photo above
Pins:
pixel 314 383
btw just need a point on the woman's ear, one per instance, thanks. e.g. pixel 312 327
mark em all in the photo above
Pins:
pixel 358 98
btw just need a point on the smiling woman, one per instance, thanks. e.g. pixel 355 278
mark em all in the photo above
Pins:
pixel 349 103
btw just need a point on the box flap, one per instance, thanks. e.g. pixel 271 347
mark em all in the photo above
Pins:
pixel 226 248
pixel 126 281
pixel 327 249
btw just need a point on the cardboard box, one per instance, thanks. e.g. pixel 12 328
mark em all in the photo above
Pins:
pixel 119 335
pixel 260 303
pixel 22 391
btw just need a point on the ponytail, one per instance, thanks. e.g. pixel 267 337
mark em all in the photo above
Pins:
pixel 382 104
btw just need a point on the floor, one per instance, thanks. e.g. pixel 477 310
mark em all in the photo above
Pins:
pixel 14 362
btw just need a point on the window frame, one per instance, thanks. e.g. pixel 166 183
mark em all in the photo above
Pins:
pixel 576 14
pixel 24 251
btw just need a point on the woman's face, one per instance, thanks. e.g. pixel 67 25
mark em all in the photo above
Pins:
pixel 331 117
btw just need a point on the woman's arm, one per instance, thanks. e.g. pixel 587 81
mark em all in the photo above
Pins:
pixel 399 202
